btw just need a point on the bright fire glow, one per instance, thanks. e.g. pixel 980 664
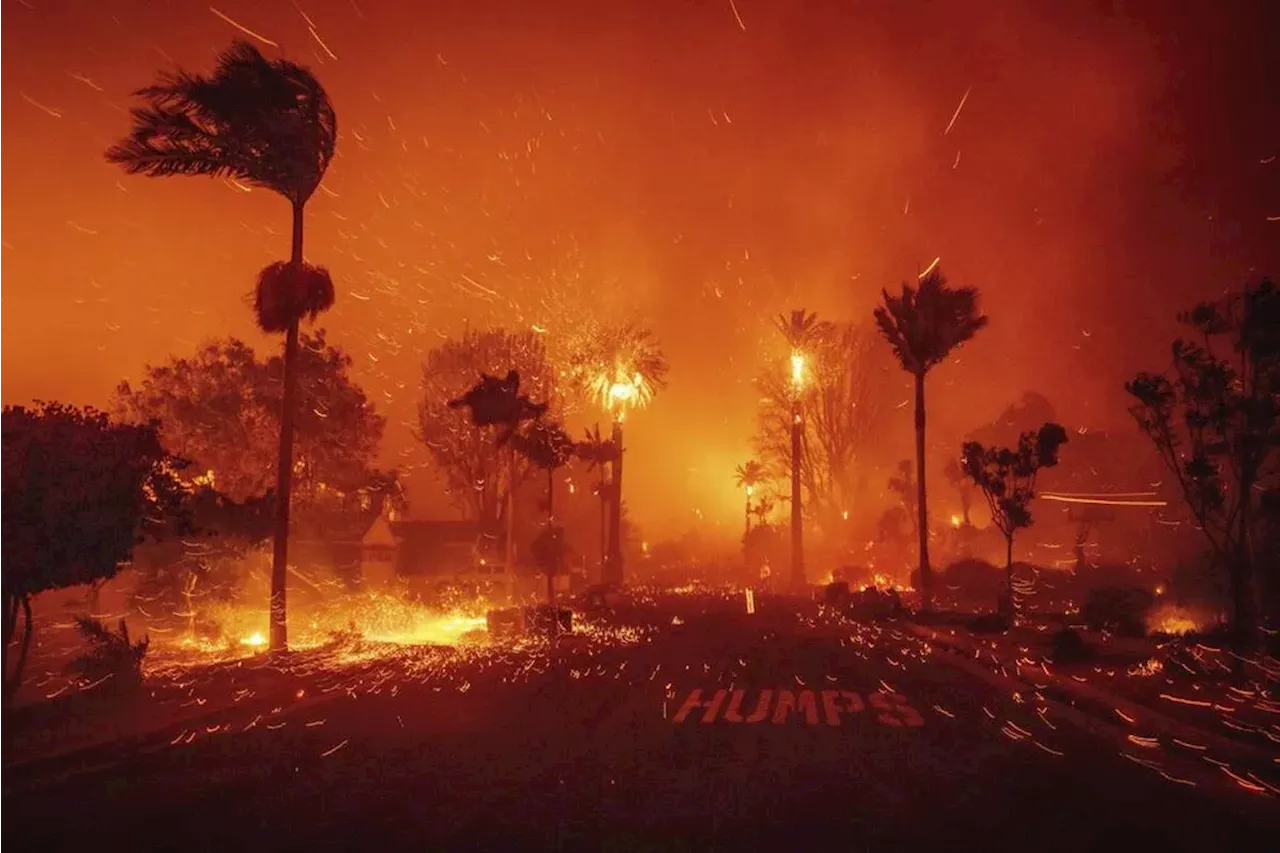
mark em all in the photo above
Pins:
pixel 372 616
pixel 797 369
pixel 621 390
pixel 956 520
pixel 1172 619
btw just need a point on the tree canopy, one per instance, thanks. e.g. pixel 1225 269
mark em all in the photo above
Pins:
pixel 465 455
pixel 1006 476
pixel 925 323
pixel 268 123
pixel 1214 418
pixel 79 492
pixel 221 409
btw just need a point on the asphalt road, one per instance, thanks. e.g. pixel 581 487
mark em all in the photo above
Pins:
pixel 825 737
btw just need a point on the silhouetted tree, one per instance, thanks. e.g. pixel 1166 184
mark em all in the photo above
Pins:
pixel 846 381
pixel 549 447
pixel 1215 420
pixel 269 124
pixel 923 326
pixel 498 403
pixel 466 456
pixel 79 493
pixel 1007 478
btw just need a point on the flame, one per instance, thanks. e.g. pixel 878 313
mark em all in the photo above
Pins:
pixel 372 616
pixel 255 640
pixel 956 520
pixel 797 368
pixel 1172 619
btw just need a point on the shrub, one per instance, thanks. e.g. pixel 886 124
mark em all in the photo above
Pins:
pixel 1069 647
pixel 1122 610
pixel 974 579
pixel 111 654
pixel 836 595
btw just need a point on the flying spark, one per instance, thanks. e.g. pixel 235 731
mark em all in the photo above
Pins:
pixel 956 114
pixel 33 102
pixel 737 17
pixel 242 28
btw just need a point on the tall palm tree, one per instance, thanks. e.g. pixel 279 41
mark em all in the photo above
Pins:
pixel 269 124
pixel 799 329
pixel 923 326
pixel 749 475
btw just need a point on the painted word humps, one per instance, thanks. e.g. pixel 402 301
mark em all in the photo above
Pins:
pixel 815 707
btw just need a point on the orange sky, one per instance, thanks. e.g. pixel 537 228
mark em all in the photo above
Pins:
pixel 1105 169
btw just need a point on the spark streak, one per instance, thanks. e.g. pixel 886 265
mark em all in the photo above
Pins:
pixel 956 114
pixel 33 102
pixel 242 28
pixel 738 17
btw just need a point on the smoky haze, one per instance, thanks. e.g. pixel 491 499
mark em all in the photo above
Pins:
pixel 508 162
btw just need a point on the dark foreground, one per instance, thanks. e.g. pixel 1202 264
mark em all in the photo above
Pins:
pixel 843 737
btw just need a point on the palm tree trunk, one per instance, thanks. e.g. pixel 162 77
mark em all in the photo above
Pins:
pixel 511 512
pixel 922 525
pixel 279 640
pixel 747 513
pixel 613 575
pixel 797 513
pixel 604 524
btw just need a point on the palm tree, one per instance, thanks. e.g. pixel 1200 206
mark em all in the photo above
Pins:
pixel 600 453
pixel 268 124
pixel 923 326
pixel 749 475
pixel 799 329
pixel 622 367
pixel 549 447
pixel 498 403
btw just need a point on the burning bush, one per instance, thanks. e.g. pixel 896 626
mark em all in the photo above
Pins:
pixel 1122 610
pixel 112 654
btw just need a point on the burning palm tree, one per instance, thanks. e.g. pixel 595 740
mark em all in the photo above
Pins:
pixel 749 475
pixel 268 124
pixel 800 329
pixel 923 326
pixel 622 368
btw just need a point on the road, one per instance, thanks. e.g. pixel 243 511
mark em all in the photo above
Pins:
pixel 723 731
